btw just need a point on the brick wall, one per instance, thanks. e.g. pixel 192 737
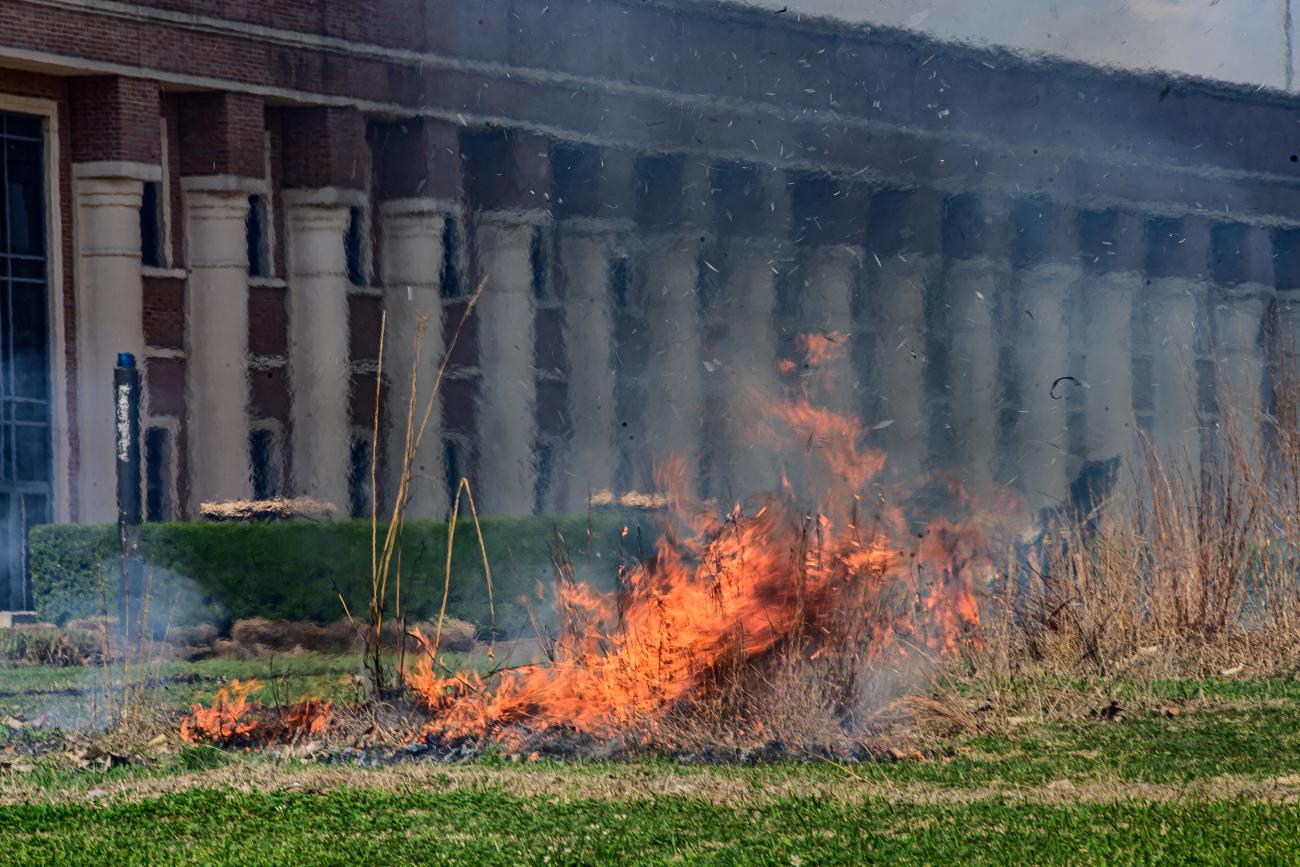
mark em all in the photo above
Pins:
pixel 222 134
pixel 114 119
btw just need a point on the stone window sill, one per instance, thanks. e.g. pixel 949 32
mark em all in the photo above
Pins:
pixel 164 273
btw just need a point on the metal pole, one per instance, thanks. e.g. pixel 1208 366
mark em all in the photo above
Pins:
pixel 126 403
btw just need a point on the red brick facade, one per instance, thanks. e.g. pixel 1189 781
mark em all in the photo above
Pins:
pixel 565 107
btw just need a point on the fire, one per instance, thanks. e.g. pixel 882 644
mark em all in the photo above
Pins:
pixel 233 717
pixel 227 718
pixel 844 582
pixel 838 574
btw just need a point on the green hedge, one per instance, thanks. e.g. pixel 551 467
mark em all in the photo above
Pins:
pixel 220 572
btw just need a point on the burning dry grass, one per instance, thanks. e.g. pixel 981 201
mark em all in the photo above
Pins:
pixel 743 628
pixel 792 626
pixel 233 718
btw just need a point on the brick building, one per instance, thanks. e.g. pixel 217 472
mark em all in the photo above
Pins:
pixel 662 195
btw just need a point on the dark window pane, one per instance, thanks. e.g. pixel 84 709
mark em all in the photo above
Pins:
pixel 354 247
pixel 34 510
pixel 618 283
pixel 29 341
pixel 29 410
pixel 151 252
pixel 156 446
pixel 545 459
pixel 453 467
pixel 10 576
pixel 32 455
pixel 537 264
pixel 28 269
pixel 255 231
pixel 24 125
pixel 261 449
pixel 359 492
pixel 24 201
pixel 450 259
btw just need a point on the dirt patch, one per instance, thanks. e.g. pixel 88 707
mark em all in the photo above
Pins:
pixel 633 782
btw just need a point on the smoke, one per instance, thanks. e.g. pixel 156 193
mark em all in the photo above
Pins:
pixel 1229 40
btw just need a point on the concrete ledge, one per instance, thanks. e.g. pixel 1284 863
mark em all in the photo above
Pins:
pixel 430 205
pixel 116 169
pixel 224 184
pixel 325 197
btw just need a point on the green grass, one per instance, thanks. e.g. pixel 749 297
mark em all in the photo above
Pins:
pixel 486 827
pixel 1215 784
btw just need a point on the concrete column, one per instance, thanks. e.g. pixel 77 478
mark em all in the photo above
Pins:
pixel 1046 258
pixel 749 352
pixel 976 272
pixel 411 261
pixel 586 251
pixel 110 314
pixel 1241 264
pixel 667 272
pixel 824 312
pixel 1285 349
pixel 672 206
pixel 507 384
pixel 1239 326
pixel 316 221
pixel 829 217
pixel 751 213
pixel 216 211
pixel 1111 245
pixel 1177 257
pixel 903 242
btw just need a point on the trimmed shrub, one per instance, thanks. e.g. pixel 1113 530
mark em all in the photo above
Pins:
pixel 221 572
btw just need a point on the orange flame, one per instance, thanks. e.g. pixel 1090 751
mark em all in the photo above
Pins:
pixel 227 718
pixel 735 586
pixel 233 717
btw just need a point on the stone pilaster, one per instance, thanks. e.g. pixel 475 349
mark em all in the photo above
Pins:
pixel 976 272
pixel 411 260
pixel 1046 257
pixel 586 253
pixel 749 350
pixel 671 205
pixel 110 313
pixel 216 211
pixel 902 262
pixel 1111 246
pixel 1177 257
pixel 316 221
pixel 1242 269
pixel 508 386
pixel 667 272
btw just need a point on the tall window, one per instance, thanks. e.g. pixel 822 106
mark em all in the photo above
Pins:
pixel 157 461
pixel 355 246
pixel 256 230
pixel 154 228
pixel 450 258
pixel 151 226
pixel 360 491
pixel 264 457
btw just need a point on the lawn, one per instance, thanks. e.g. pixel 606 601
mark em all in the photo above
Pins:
pixel 1207 773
